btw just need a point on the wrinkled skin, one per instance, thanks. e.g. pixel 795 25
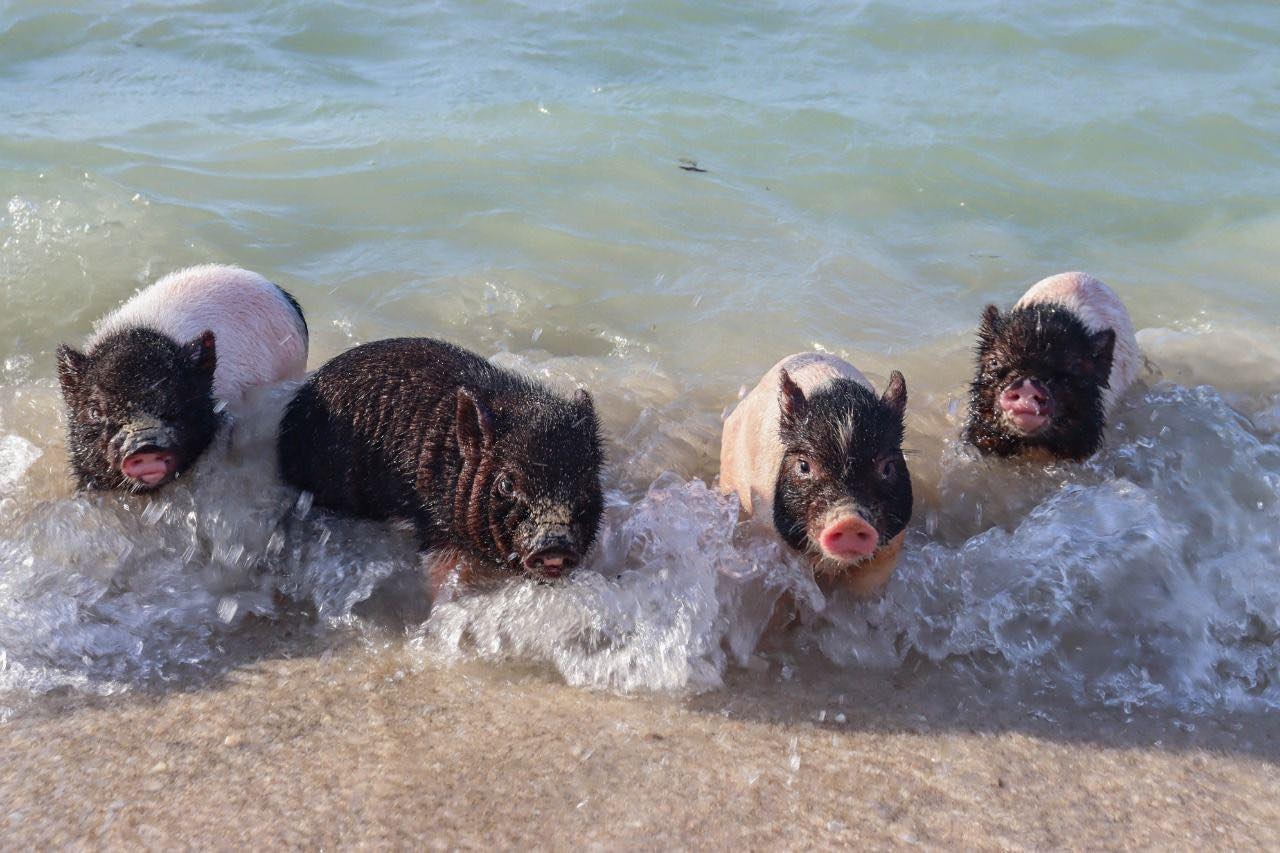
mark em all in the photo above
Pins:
pixel 843 476
pixel 1039 384
pixel 140 408
pixel 484 462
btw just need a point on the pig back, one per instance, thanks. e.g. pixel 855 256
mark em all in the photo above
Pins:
pixel 1098 308
pixel 261 337
pixel 751 448
pixel 357 432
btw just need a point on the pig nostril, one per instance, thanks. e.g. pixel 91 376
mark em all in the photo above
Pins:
pixel 562 560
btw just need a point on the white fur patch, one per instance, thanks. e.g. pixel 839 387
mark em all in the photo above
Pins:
pixel 1098 308
pixel 261 340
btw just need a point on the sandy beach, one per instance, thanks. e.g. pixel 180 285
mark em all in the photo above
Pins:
pixel 351 749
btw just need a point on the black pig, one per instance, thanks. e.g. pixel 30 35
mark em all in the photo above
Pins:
pixel 140 408
pixel 481 460
pixel 1050 370
pixel 142 399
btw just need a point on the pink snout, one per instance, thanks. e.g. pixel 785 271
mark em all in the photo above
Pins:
pixel 151 467
pixel 849 538
pixel 1027 404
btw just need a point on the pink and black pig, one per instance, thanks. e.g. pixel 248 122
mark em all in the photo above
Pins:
pixel 1049 372
pixel 487 465
pixel 145 394
pixel 814 452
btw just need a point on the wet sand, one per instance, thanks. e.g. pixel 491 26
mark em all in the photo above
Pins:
pixel 353 749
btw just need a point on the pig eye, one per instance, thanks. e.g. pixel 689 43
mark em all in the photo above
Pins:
pixel 506 488
pixel 889 469
pixel 803 468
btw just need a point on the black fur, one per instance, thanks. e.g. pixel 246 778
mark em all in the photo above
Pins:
pixel 851 443
pixel 136 377
pixel 1050 344
pixel 296 307
pixel 480 459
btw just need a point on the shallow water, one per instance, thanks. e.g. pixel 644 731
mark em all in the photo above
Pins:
pixel 507 176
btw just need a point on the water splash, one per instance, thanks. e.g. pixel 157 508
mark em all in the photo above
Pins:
pixel 1146 577
pixel 651 623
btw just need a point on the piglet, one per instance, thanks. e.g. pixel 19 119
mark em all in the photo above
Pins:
pixel 143 397
pixel 1049 372
pixel 813 452
pixel 483 462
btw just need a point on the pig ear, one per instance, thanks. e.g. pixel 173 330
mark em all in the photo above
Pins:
pixel 70 365
pixel 991 322
pixel 474 425
pixel 202 351
pixel 791 399
pixel 895 394
pixel 582 400
pixel 1102 348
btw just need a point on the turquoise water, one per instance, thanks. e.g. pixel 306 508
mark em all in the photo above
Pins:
pixel 507 175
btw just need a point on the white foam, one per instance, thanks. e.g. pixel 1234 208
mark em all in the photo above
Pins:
pixel 1150 575
pixel 16 456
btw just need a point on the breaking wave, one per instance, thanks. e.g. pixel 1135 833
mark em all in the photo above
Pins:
pixel 1148 576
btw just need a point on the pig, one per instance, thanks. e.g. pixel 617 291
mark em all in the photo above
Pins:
pixel 1049 372
pixel 143 398
pixel 812 452
pixel 484 463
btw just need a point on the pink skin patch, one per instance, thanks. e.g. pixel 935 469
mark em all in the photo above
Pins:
pixel 151 467
pixel 849 539
pixel 1027 405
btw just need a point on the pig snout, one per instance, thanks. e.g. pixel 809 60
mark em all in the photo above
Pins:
pixel 142 448
pixel 552 562
pixel 848 537
pixel 552 553
pixel 1027 405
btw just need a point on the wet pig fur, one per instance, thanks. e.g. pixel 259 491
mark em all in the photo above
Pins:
pixel 143 397
pixel 482 461
pixel 1050 371
pixel 815 452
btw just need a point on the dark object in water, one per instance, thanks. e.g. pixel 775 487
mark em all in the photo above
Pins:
pixel 690 165
pixel 1039 383
pixel 482 461
pixel 141 398
pixel 140 408
pixel 1050 371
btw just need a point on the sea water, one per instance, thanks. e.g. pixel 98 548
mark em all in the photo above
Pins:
pixel 517 178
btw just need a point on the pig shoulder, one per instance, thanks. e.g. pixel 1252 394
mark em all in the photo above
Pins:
pixel 1098 308
pixel 261 335
pixel 751 449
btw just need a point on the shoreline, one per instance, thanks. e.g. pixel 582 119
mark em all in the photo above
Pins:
pixel 348 748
